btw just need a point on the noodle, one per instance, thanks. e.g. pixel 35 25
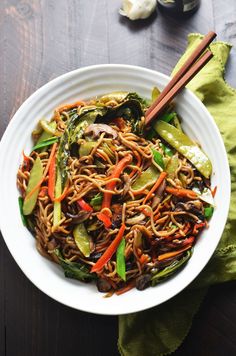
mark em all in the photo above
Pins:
pixel 154 227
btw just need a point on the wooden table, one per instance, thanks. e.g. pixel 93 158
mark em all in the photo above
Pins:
pixel 40 40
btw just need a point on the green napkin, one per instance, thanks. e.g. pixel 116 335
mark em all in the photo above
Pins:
pixel 161 330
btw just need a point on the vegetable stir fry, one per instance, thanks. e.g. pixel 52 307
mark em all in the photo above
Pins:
pixel 110 200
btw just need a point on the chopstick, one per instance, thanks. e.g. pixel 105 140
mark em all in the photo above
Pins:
pixel 187 71
pixel 178 86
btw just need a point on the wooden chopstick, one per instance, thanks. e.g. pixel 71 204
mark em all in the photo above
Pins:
pixel 178 86
pixel 187 65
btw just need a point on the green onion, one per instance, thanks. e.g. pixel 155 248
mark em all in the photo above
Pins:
pixel 167 117
pixel 44 143
pixel 167 151
pixel 120 260
pixel 23 218
pixel 208 212
pixel 158 158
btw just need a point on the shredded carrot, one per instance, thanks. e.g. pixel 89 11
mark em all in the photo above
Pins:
pixel 64 193
pixel 109 251
pixel 115 174
pixel 143 259
pixel 181 192
pixel 119 121
pixel 167 255
pixel 213 192
pixel 45 172
pixel 129 286
pixel 70 106
pixel 156 185
pixel 43 191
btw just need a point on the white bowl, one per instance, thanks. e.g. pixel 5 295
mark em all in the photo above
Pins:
pixel 83 84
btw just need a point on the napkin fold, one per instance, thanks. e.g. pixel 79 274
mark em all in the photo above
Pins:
pixel 161 330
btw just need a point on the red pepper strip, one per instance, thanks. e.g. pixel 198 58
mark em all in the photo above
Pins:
pixel 84 206
pixel 115 174
pixel 52 177
pixel 197 227
pixel 109 251
pixel 188 241
pixel 105 219
pixel 181 192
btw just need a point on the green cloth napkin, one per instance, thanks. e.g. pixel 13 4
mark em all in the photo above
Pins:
pixel 161 330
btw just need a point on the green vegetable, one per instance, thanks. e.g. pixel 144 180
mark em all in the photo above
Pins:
pixel 177 123
pixel 151 134
pixel 86 148
pixel 36 175
pixel 118 96
pixel 45 136
pixel 82 239
pixel 48 127
pixel 45 143
pixel 171 269
pixel 146 179
pixel 155 93
pixel 208 212
pixel 75 129
pixel 57 204
pixel 134 96
pixel 96 200
pixel 120 260
pixel 74 269
pixel 131 110
pixel 167 117
pixel 185 146
pixel 167 151
pixel 158 158
pixel 23 218
pixel 172 166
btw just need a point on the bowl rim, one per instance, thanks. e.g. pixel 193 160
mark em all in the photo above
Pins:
pixel 45 88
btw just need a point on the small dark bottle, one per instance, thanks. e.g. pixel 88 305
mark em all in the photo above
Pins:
pixel 179 8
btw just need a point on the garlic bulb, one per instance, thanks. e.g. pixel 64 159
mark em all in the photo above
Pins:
pixel 137 9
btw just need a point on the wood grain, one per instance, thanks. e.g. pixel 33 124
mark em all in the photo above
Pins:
pixel 40 40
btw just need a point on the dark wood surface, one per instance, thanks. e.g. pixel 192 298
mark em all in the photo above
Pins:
pixel 40 40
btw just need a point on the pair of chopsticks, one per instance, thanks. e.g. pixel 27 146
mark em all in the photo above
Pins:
pixel 190 68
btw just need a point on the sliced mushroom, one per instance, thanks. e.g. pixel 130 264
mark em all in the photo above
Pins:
pixel 97 129
pixel 103 285
pixel 78 218
pixel 194 207
pixel 143 281
pixel 159 194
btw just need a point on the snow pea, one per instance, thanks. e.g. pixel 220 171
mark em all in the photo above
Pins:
pixel 172 166
pixel 86 148
pixel 120 260
pixel 146 179
pixel 185 146
pixel 82 239
pixel 36 175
